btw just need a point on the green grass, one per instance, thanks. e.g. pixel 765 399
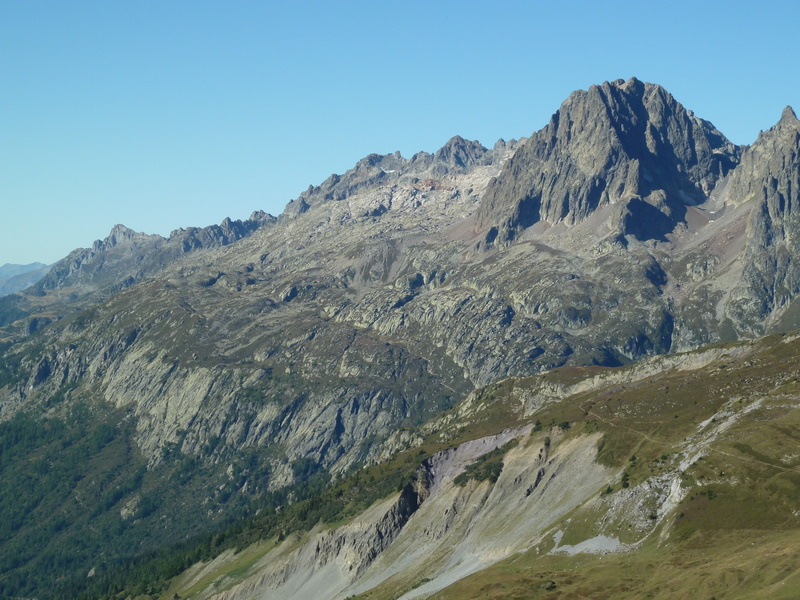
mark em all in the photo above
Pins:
pixel 738 565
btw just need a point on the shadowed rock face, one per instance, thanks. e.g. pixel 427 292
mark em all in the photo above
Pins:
pixel 769 178
pixel 627 142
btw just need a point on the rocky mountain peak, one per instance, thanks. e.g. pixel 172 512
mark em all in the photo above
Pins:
pixel 260 216
pixel 457 156
pixel 119 230
pixel 461 153
pixel 120 233
pixel 789 117
pixel 768 179
pixel 619 142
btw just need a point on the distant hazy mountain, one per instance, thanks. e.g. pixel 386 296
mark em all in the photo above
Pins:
pixel 14 278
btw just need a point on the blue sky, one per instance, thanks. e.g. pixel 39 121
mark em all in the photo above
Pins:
pixel 161 115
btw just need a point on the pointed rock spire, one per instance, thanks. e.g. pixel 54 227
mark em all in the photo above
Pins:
pixel 788 116
pixel 613 142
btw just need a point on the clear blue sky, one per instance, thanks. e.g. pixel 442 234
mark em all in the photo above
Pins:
pixel 166 114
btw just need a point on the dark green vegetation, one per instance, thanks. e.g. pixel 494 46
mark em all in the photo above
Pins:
pixel 75 496
pixel 487 468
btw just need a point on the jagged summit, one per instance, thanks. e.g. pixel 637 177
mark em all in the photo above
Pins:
pixel 456 157
pixel 461 153
pixel 118 234
pixel 620 142
pixel 788 116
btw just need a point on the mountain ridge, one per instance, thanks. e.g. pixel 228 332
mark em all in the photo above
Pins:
pixel 258 359
pixel 612 143
pixel 15 278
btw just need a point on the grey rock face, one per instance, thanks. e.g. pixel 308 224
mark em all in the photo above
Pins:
pixel 769 179
pixel 456 157
pixel 623 142
pixel 460 155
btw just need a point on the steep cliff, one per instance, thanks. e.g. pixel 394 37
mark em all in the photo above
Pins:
pixel 625 142
pixel 769 179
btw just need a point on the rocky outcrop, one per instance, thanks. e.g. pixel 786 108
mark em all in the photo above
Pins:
pixel 227 232
pixel 769 179
pixel 457 157
pixel 624 142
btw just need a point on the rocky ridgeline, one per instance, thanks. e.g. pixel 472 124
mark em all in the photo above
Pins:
pixel 379 285
pixel 623 143
pixel 457 157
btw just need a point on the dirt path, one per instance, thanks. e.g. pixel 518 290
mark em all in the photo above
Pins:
pixel 663 443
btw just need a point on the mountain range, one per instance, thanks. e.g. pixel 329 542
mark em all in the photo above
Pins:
pixel 438 324
pixel 15 278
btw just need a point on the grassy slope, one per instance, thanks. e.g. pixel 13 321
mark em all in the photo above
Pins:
pixel 736 533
